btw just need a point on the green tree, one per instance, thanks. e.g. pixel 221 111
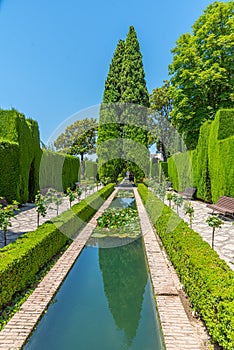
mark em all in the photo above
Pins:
pixel 122 135
pixel 203 71
pixel 6 213
pixel 135 94
pixel 41 203
pixel 215 222
pixel 71 196
pixel 79 138
pixel 109 129
pixel 161 130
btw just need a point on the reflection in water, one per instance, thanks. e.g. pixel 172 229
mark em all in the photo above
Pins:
pixel 103 304
pixel 124 276
pixel 121 202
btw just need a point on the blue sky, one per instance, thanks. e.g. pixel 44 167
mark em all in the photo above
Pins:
pixel 55 54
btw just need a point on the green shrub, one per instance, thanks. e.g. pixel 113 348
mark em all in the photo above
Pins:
pixel 180 170
pixel 23 132
pixel 9 169
pixel 154 168
pixel 163 170
pixel 210 167
pixel 90 169
pixel 221 155
pixel 207 279
pixel 21 260
pixel 58 171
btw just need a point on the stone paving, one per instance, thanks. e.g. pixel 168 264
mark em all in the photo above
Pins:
pixel 177 329
pixel 224 236
pixel 26 219
pixel 18 329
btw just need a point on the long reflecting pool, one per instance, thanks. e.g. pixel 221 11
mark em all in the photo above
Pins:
pixel 105 303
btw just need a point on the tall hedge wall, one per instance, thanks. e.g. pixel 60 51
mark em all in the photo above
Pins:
pixel 9 170
pixel 210 167
pixel 221 154
pixel 90 169
pixel 154 168
pixel 58 170
pixel 14 128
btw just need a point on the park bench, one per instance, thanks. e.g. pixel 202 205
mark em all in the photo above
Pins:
pixel 189 192
pixel 225 206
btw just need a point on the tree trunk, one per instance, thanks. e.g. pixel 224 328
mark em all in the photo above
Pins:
pixel 4 236
pixel 212 240
pixel 82 165
pixel 38 219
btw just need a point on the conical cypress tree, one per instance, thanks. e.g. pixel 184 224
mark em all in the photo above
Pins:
pixel 135 94
pixel 109 146
pixel 133 84
pixel 122 135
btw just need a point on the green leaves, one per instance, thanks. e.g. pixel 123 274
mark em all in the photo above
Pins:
pixel 78 138
pixel 202 71
pixel 115 217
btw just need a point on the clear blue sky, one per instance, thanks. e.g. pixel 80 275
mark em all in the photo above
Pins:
pixel 55 54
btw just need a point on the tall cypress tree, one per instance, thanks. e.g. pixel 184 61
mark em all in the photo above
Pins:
pixel 122 135
pixel 135 94
pixel 109 148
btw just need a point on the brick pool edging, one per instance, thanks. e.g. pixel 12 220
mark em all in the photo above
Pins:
pixel 20 326
pixel 176 327
pixel 177 330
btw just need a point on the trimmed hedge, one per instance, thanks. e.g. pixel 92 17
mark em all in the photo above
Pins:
pixel 154 168
pixel 90 169
pixel 21 260
pixel 207 279
pixel 221 155
pixel 15 129
pixel 210 167
pixel 10 170
pixel 58 170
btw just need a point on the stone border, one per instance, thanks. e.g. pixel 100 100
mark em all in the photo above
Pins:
pixel 19 328
pixel 177 330
pixel 176 327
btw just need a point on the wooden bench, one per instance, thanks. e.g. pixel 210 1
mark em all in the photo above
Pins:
pixel 189 192
pixel 225 205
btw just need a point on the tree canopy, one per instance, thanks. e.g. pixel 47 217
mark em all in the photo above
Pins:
pixel 202 70
pixel 79 138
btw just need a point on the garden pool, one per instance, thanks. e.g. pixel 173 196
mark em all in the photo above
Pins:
pixel 106 302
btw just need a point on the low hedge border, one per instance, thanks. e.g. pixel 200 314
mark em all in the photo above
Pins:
pixel 208 280
pixel 22 259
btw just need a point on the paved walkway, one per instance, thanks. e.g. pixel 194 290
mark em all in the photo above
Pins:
pixel 26 219
pixel 177 329
pixel 224 237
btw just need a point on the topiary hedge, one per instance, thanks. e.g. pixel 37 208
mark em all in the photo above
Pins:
pixel 58 170
pixel 90 169
pixel 21 260
pixel 221 155
pixel 9 169
pixel 14 128
pixel 207 279
pixel 154 168
pixel 210 167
